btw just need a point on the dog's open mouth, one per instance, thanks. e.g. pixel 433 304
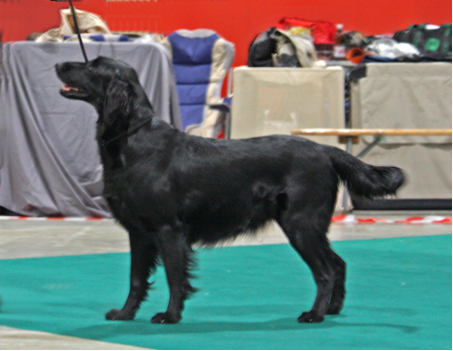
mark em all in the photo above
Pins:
pixel 73 92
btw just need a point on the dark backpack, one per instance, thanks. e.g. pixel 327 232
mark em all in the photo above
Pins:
pixel 427 41
pixel 261 49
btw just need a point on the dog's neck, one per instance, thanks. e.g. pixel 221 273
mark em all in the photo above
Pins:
pixel 111 138
pixel 110 145
pixel 134 127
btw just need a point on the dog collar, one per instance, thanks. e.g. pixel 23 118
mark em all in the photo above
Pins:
pixel 130 132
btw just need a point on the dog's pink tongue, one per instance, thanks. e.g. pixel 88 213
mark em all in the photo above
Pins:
pixel 68 88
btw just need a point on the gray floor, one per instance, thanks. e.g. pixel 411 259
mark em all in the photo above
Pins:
pixel 21 238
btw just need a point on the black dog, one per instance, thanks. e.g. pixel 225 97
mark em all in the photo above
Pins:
pixel 171 190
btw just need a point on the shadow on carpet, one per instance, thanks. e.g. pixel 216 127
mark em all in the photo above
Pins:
pixel 399 296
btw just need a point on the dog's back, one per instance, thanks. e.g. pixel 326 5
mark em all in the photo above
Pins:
pixel 219 189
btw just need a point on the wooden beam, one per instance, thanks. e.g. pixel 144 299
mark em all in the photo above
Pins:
pixel 372 132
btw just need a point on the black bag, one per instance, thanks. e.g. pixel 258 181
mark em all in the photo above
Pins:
pixel 261 49
pixel 427 41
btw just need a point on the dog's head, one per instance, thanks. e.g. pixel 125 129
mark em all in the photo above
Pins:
pixel 105 83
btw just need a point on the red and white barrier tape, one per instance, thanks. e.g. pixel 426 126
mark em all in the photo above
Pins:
pixel 65 219
pixel 345 219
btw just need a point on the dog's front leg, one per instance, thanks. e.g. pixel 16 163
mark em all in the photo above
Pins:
pixel 176 255
pixel 143 262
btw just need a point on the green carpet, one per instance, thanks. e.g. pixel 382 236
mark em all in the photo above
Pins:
pixel 399 296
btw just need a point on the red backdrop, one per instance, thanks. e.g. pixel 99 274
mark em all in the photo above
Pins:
pixel 236 20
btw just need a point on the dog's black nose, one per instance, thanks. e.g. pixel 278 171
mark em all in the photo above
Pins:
pixel 58 67
pixel 65 66
pixel 62 66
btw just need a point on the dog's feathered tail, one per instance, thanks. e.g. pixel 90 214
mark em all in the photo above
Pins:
pixel 363 179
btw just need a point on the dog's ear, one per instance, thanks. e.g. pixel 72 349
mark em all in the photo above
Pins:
pixel 117 100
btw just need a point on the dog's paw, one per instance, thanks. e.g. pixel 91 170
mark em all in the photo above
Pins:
pixel 165 318
pixel 334 308
pixel 310 317
pixel 119 315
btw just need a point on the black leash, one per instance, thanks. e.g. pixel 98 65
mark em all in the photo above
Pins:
pixel 76 28
pixel 130 132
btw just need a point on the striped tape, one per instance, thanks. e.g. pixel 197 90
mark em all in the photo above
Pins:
pixel 65 219
pixel 410 220
pixel 336 219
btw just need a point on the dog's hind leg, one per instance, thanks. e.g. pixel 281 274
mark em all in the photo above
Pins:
pixel 143 262
pixel 306 231
pixel 315 254
pixel 176 255
pixel 338 294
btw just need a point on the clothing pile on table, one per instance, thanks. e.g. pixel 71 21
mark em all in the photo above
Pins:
pixel 300 43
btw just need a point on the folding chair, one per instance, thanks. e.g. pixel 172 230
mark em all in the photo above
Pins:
pixel 202 60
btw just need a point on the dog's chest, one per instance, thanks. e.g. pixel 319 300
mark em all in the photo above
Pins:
pixel 135 189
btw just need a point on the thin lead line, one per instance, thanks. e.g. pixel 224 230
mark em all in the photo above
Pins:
pixel 78 31
pixel 74 17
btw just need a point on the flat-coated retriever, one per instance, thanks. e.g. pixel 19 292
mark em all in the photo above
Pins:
pixel 171 190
